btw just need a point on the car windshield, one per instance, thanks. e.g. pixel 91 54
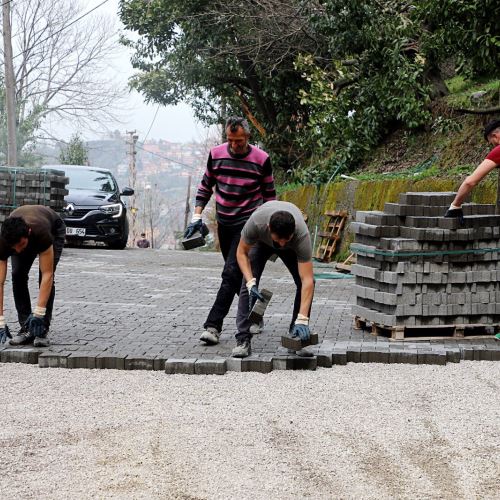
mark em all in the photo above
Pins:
pixel 92 180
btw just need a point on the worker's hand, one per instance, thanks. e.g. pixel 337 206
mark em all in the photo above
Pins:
pixel 301 328
pixel 455 213
pixel 253 293
pixel 36 324
pixel 4 334
pixel 195 225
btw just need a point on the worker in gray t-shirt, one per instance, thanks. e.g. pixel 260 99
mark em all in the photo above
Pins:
pixel 276 227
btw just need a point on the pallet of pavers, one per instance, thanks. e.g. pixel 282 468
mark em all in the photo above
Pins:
pixel 28 186
pixel 420 275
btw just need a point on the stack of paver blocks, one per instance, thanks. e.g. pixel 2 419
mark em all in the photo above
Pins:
pixel 23 186
pixel 416 268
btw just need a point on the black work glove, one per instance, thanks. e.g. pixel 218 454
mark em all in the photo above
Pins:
pixel 455 213
pixel 4 334
pixel 253 293
pixel 193 227
pixel 36 325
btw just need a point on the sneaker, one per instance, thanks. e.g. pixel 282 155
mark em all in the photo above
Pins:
pixel 42 341
pixel 497 336
pixel 255 328
pixel 210 336
pixel 242 349
pixel 23 337
pixel 301 353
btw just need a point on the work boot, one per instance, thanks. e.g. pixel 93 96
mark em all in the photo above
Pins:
pixel 210 336
pixel 257 328
pixel 23 337
pixel 242 349
pixel 42 341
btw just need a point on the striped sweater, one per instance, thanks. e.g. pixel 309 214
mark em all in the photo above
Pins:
pixel 242 183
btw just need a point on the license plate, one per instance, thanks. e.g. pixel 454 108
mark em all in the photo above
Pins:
pixel 75 231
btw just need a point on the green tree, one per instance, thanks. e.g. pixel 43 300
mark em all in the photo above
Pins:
pixel 225 60
pixel 75 152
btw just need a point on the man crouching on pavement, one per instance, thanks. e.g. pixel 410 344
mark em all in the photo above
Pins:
pixel 30 231
pixel 277 227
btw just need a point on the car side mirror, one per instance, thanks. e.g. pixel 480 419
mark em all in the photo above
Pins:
pixel 127 192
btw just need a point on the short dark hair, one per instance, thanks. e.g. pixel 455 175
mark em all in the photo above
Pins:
pixel 491 127
pixel 13 229
pixel 282 224
pixel 233 123
pixel 143 234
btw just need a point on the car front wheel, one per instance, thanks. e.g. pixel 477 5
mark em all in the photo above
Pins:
pixel 122 242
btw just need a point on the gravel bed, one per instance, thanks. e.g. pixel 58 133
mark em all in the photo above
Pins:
pixel 355 431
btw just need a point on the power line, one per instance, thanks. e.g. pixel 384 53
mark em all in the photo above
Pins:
pixel 62 29
pixel 166 158
pixel 154 118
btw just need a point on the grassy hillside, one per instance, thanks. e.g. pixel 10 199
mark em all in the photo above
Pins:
pixel 452 145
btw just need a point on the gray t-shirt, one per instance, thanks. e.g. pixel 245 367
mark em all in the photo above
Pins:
pixel 257 230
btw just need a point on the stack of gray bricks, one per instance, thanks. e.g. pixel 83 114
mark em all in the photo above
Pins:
pixel 416 268
pixel 25 186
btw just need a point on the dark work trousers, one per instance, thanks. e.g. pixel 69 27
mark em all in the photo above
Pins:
pixel 21 265
pixel 259 255
pixel 229 238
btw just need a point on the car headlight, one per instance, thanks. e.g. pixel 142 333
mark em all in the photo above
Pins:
pixel 115 210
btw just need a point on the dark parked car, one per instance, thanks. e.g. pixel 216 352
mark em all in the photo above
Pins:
pixel 94 209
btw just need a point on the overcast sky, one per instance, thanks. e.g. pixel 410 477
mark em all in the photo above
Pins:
pixel 173 123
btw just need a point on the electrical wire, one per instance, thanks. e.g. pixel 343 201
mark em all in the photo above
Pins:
pixel 149 129
pixel 166 158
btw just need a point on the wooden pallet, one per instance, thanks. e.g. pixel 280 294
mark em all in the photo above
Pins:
pixel 331 235
pixel 345 267
pixel 429 332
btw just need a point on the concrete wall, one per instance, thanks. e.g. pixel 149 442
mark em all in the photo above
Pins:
pixel 371 195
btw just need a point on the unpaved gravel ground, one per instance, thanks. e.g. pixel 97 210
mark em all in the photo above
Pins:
pixel 355 431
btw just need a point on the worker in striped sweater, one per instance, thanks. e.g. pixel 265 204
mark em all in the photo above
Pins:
pixel 243 180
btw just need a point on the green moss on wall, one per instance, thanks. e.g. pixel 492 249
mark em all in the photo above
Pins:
pixel 372 195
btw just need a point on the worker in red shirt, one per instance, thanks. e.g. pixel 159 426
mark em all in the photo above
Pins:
pixel 492 160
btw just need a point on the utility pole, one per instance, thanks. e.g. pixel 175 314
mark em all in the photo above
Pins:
pixel 10 87
pixel 132 176
pixel 188 197
pixel 151 229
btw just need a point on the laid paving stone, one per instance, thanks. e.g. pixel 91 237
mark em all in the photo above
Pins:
pixel 110 362
pixel 294 363
pixel 20 355
pixel 138 363
pixel 77 360
pixel 453 355
pixel 53 360
pixel 339 357
pixel 467 353
pixel 353 355
pixel 153 309
pixel 180 366
pixel 324 358
pixel 210 367
pixel 254 363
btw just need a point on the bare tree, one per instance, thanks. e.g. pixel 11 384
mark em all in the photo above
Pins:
pixel 60 65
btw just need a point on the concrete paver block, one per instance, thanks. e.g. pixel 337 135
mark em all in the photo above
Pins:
pixel 210 367
pixel 20 355
pixel 180 366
